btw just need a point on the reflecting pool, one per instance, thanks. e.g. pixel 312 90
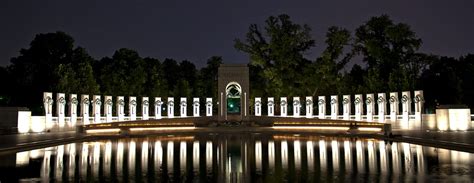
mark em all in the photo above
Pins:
pixel 237 158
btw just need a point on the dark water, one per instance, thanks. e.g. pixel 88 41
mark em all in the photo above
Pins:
pixel 238 158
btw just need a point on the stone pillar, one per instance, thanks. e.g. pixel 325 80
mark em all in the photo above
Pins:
pixel 418 100
pixel 369 102
pixel 145 108
pixel 208 106
pixel 346 107
pixel 196 105
pixel 85 109
pixel 271 106
pixel 183 107
pixel 406 105
pixel 393 106
pixel 48 107
pixel 170 107
pixel 309 106
pixel 322 107
pixel 120 108
pixel 358 107
pixel 61 108
pixel 381 103
pixel 108 105
pixel 73 109
pixel 158 104
pixel 132 108
pixel 296 106
pixel 96 103
pixel 258 106
pixel 283 106
pixel 334 106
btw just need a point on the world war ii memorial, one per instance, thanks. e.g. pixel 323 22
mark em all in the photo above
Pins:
pixel 398 115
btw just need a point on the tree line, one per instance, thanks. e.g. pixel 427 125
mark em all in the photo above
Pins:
pixel 384 55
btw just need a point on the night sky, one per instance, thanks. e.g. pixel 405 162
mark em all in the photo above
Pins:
pixel 195 30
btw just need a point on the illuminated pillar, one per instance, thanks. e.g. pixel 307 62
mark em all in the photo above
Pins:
pixel 120 108
pixel 183 105
pixel 108 104
pixel 48 108
pixel 334 106
pixel 96 108
pixel 418 100
pixel 406 105
pixel 393 106
pixel 309 106
pixel 145 108
pixel 196 107
pixel 346 107
pixel 208 106
pixel 170 107
pixel 158 104
pixel 60 108
pixel 358 107
pixel 132 108
pixel 283 106
pixel 322 107
pixel 369 102
pixel 381 103
pixel 296 106
pixel 73 109
pixel 85 109
pixel 258 106
pixel 271 106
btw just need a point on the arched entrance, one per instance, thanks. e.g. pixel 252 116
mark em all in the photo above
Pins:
pixel 233 93
pixel 233 96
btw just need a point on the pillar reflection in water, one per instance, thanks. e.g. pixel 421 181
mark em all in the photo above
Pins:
pixel 45 166
pixel 107 158
pixel 120 151
pixel 95 160
pixel 284 154
pixel 360 156
pixel 310 155
pixel 59 162
pixel 297 154
pixel 144 156
pixel 396 160
pixel 169 157
pixel 407 157
pixel 335 155
pixel 182 156
pixel 131 157
pixel 209 156
pixel 84 159
pixel 322 155
pixel 258 156
pixel 271 155
pixel 420 160
pixel 158 156
pixel 71 148
pixel 371 154
pixel 383 157
pixel 196 156
pixel 347 156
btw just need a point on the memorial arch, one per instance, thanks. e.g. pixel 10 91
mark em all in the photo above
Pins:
pixel 233 92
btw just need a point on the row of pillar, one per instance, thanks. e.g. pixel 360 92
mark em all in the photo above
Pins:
pixel 370 101
pixel 97 103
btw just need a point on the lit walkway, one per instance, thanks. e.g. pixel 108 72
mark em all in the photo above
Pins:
pixel 21 141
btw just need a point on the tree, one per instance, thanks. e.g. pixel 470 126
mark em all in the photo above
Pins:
pixel 278 54
pixel 386 47
pixel 325 74
pixel 207 79
pixel 155 83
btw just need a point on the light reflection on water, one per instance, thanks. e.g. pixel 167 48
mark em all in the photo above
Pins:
pixel 237 158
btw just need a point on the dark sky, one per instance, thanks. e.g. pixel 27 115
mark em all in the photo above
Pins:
pixel 197 29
